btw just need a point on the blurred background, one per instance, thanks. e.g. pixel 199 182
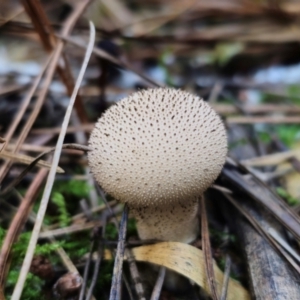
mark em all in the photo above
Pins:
pixel 241 56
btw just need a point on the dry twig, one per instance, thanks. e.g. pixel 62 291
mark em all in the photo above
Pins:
pixel 43 206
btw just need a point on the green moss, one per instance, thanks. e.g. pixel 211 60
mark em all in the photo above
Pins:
pixel 288 134
pixel 264 137
pixel 285 195
pixel 63 217
pixel 224 52
pixel 293 92
pixel 76 246
pixel 33 285
pixel 111 232
pixel 240 142
pixel 77 188
pixel 32 289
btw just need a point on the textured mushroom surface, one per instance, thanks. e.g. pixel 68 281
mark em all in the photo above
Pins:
pixel 158 150
pixel 157 146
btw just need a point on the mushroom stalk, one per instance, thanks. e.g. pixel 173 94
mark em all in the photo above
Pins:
pixel 178 223
pixel 158 150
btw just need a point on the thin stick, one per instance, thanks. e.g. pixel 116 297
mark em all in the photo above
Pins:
pixel 127 287
pixel 226 278
pixel 4 169
pixel 209 267
pixel 263 232
pixel 279 240
pixel 44 202
pixel 86 271
pixel 18 222
pixel 132 264
pixel 265 119
pixel 135 274
pixel 227 109
pixel 17 119
pixel 103 197
pixel 34 162
pixel 101 245
pixel 96 270
pixel 115 291
pixel 26 159
pixel 71 129
pixel 105 55
pixel 158 284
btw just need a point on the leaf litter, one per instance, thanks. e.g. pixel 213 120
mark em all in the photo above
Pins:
pixel 237 54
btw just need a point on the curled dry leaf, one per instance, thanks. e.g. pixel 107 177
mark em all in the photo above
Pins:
pixel 188 261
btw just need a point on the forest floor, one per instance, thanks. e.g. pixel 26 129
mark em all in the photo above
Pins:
pixel 60 234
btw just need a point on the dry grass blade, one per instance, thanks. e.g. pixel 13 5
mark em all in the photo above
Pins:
pixel 226 278
pixel 93 210
pixel 256 109
pixel 128 287
pixel 17 224
pixel 40 21
pixel 209 266
pixel 11 11
pixel 265 119
pixel 71 129
pixel 115 291
pixel 284 244
pixel 98 262
pixel 69 229
pixel 17 180
pixel 158 284
pixel 44 202
pixel 135 274
pixel 271 159
pixel 96 266
pixel 264 195
pixel 86 271
pixel 25 159
pixel 26 101
pixel 152 22
pixel 270 275
pixel 4 169
pixel 12 89
pixel 103 54
pixel 261 231
pixel 264 263
pixel 46 34
pixel 2 142
pixel 132 264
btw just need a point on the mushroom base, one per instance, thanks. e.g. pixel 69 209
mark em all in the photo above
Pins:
pixel 175 222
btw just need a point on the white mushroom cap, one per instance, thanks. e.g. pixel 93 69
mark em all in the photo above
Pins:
pixel 157 146
pixel 158 150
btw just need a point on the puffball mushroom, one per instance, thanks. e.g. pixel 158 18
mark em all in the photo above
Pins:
pixel 158 150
